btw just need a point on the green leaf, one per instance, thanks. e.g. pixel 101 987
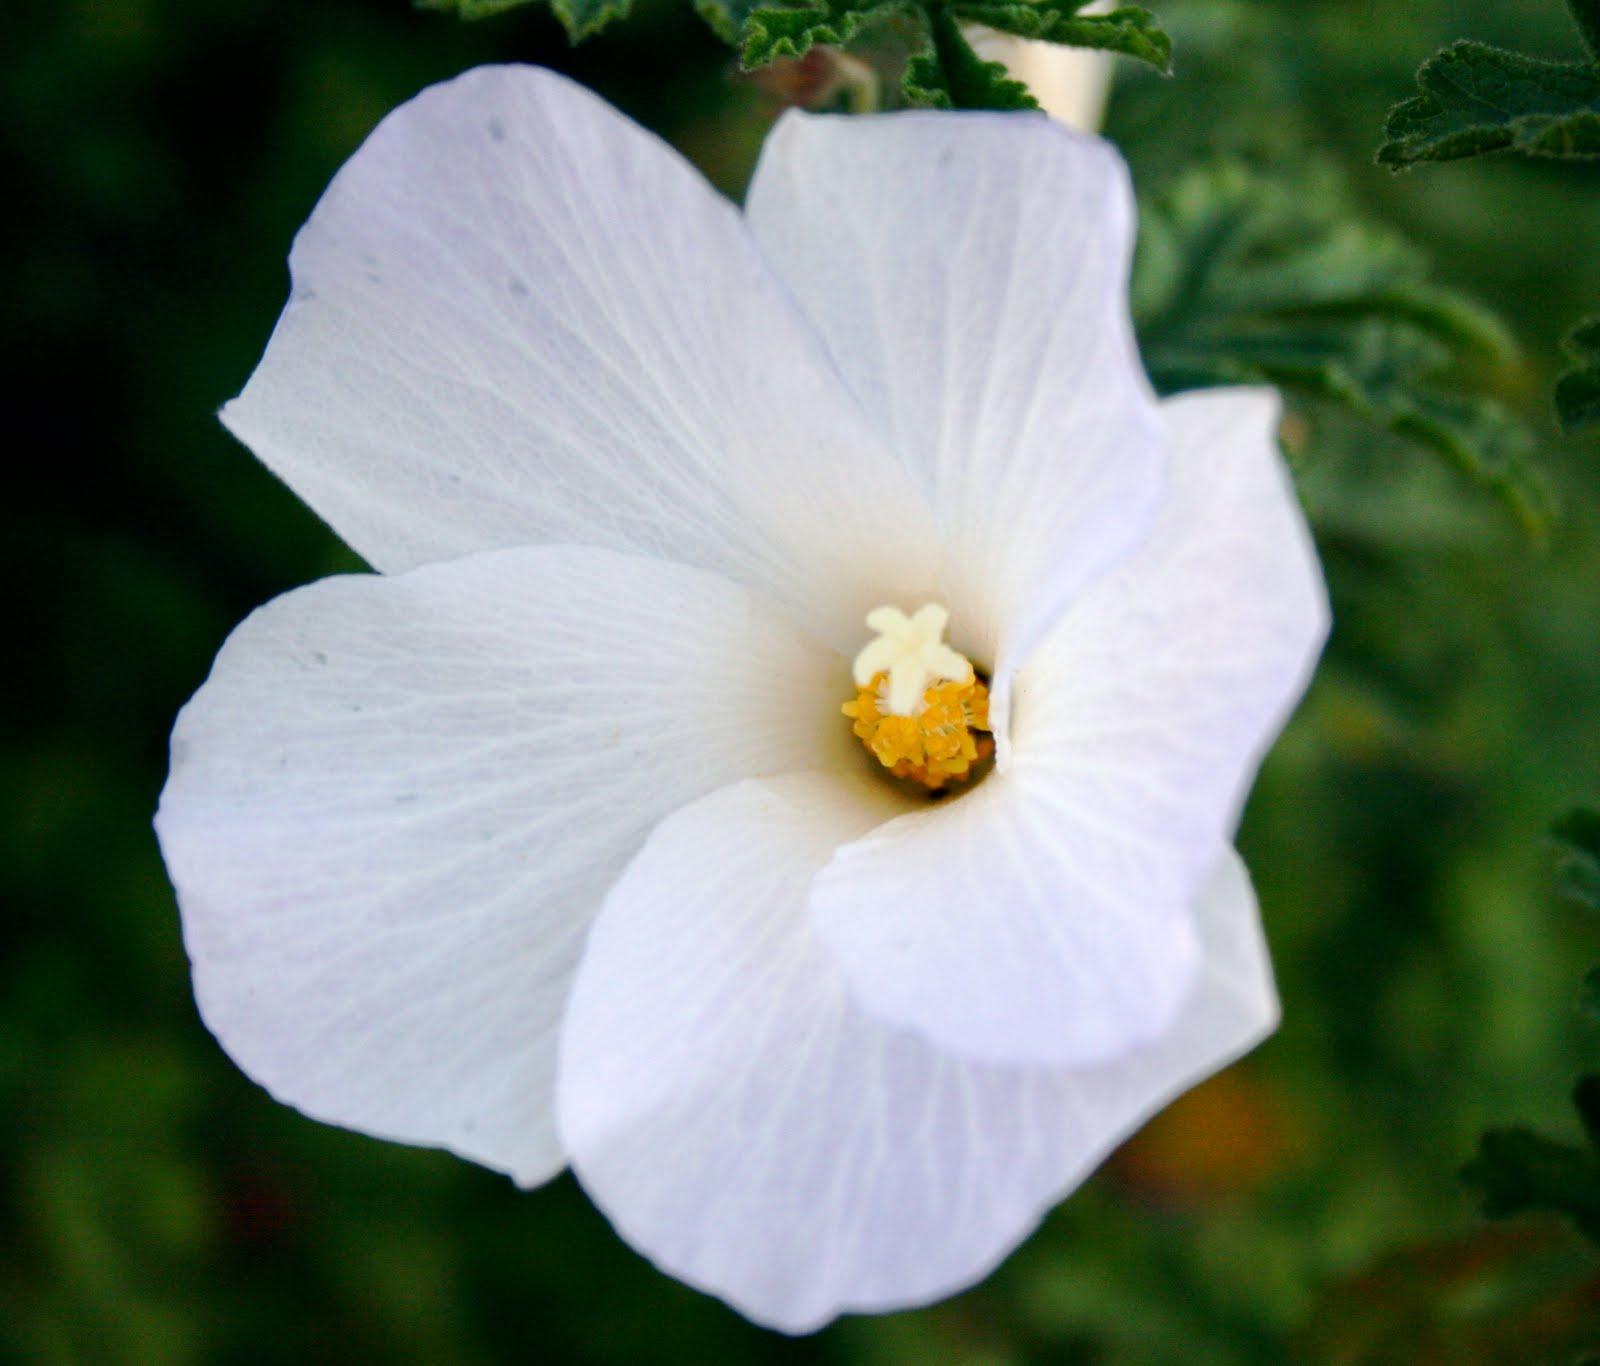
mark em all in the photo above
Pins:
pixel 943 70
pixel 1476 98
pixel 1578 832
pixel 774 31
pixel 1518 1171
pixel 726 17
pixel 1578 390
pixel 945 73
pixel 1250 276
pixel 584 18
pixel 1586 15
pixel 1130 31
pixel 581 18
pixel 472 9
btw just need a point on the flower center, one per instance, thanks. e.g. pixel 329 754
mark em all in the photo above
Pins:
pixel 918 702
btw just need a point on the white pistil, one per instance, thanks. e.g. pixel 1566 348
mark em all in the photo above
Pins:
pixel 912 652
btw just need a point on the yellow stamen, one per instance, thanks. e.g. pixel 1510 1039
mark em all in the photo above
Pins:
pixel 934 747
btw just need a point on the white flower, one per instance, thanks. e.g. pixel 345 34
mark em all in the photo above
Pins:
pixel 549 845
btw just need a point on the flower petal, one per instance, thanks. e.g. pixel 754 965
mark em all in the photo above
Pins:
pixel 1010 925
pixel 1162 690
pixel 519 318
pixel 1044 917
pixel 748 1127
pixel 397 801
pixel 969 273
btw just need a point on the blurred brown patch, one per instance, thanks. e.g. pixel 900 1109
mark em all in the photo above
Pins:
pixel 1227 1137
pixel 1502 1294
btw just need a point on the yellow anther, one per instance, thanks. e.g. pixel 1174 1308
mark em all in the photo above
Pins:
pixel 937 745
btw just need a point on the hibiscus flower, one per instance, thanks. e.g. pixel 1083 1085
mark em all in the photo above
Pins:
pixel 599 828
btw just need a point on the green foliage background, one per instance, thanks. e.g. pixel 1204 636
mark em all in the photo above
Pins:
pixel 157 1207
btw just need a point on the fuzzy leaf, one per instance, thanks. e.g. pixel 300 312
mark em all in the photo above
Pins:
pixel 943 70
pixel 1130 30
pixel 581 18
pixel 1578 390
pixel 472 9
pixel 1247 277
pixel 945 73
pixel 726 18
pixel 774 31
pixel 1476 98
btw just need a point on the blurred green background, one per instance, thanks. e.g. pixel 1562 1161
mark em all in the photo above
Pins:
pixel 156 1206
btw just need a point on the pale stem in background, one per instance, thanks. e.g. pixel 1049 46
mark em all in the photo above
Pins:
pixel 1070 83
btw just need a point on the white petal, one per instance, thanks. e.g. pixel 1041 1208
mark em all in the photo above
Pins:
pixel 1043 917
pixel 745 1125
pixel 397 801
pixel 519 318
pixel 1159 693
pixel 970 274
pixel 1011 925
